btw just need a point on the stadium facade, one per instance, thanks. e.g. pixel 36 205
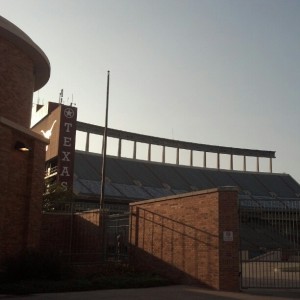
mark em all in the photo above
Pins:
pixel 269 203
pixel 263 196
pixel 269 209
pixel 133 179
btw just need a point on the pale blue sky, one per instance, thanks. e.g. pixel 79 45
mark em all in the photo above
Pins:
pixel 217 72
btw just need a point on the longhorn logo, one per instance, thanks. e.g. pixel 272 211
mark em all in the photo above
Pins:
pixel 47 134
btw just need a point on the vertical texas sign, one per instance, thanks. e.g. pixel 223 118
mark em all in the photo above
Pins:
pixel 59 126
pixel 66 148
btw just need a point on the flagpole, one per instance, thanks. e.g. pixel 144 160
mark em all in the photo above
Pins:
pixel 104 146
pixel 102 196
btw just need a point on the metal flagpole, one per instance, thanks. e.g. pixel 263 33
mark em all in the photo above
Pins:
pixel 104 148
pixel 101 210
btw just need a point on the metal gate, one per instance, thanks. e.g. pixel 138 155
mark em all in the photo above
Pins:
pixel 270 237
pixel 116 237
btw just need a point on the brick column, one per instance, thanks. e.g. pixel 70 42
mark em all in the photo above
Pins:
pixel 229 242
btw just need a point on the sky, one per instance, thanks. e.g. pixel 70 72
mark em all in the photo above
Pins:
pixel 219 72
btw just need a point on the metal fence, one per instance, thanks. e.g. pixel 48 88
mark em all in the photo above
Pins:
pixel 75 231
pixel 270 249
pixel 116 237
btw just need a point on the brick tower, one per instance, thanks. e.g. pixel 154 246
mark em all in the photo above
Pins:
pixel 24 68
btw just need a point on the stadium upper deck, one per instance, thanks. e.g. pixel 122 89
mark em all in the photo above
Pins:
pixel 131 180
pixel 135 179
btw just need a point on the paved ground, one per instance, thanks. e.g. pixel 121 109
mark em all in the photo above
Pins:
pixel 165 293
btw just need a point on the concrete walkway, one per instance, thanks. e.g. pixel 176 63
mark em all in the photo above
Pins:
pixel 164 293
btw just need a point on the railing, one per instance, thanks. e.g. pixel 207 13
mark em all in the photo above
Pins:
pixel 151 140
pixel 117 235
pixel 270 246
pixel 51 172
pixel 272 269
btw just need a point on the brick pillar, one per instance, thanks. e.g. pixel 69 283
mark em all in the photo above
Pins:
pixel 229 241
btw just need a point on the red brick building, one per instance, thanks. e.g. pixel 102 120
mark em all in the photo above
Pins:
pixel 24 68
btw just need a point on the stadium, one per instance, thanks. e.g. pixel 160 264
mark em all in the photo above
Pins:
pixel 269 203
pixel 224 228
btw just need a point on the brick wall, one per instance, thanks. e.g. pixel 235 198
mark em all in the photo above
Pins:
pixel 77 236
pixel 16 84
pixel 23 68
pixel 181 237
pixel 21 177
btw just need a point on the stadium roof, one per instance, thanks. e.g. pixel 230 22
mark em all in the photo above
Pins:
pixel 132 180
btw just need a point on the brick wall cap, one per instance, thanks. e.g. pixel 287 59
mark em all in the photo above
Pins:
pixel 16 36
pixel 190 194
pixel 26 131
